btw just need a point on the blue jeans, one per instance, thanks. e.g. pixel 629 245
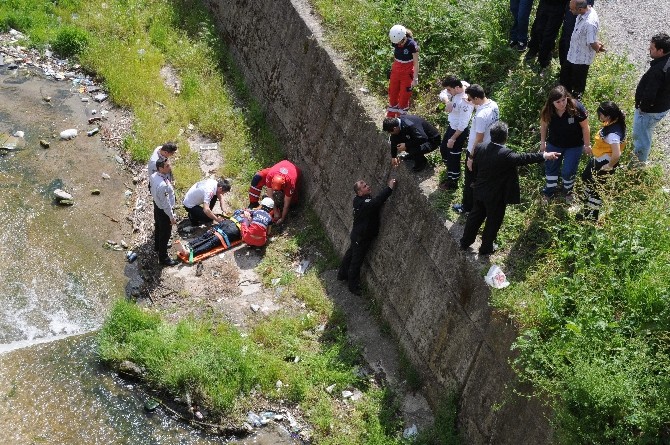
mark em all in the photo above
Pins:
pixel 567 165
pixel 520 10
pixel 643 129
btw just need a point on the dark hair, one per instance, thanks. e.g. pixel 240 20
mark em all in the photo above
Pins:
pixel 612 111
pixel 451 82
pixel 662 41
pixel 170 147
pixel 498 131
pixel 556 93
pixel 390 123
pixel 581 4
pixel 161 163
pixel 475 91
pixel 224 184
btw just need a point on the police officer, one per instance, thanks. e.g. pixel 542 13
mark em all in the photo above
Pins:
pixel 164 216
pixel 414 135
pixel 364 230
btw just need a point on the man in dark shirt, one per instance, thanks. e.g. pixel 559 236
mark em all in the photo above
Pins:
pixel 414 135
pixel 364 230
pixel 652 96
pixel 496 184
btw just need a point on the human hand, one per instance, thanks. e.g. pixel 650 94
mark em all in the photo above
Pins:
pixel 450 143
pixel 392 183
pixel 173 221
pixel 587 150
pixel 401 147
pixel 415 82
pixel 469 163
pixel 395 162
pixel 551 155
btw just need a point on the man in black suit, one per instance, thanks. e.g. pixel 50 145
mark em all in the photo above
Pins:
pixel 496 184
pixel 414 135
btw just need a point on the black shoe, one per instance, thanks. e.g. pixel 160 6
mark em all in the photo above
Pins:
pixel 168 262
pixel 342 277
pixel 448 185
pixel 463 246
pixel 356 291
pixel 488 251
pixel 522 46
pixel 513 43
pixel 530 55
pixel 458 208
pixel 419 165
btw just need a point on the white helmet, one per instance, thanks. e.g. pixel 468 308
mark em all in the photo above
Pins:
pixel 267 202
pixel 397 33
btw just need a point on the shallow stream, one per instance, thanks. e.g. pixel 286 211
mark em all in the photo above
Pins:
pixel 57 281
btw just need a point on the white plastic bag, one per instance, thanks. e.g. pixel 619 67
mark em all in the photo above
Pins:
pixel 496 278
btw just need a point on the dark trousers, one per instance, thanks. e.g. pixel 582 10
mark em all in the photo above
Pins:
pixel 594 178
pixel 468 178
pixel 452 156
pixel 520 10
pixel 208 240
pixel 493 211
pixel 573 78
pixel 548 19
pixel 162 232
pixel 418 155
pixel 196 214
pixel 350 268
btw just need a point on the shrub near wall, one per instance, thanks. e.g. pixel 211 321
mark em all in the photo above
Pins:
pixel 591 301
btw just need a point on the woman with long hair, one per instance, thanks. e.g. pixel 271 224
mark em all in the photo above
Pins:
pixel 605 155
pixel 564 128
pixel 404 71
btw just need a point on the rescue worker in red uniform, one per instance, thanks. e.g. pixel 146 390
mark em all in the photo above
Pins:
pixel 404 71
pixel 283 178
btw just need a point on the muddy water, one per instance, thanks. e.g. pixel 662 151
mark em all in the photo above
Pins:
pixel 57 281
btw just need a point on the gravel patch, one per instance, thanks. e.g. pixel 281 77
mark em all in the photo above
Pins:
pixel 627 27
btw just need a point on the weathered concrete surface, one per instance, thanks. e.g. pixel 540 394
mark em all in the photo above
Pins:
pixel 433 296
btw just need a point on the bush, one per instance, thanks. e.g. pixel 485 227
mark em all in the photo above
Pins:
pixel 70 41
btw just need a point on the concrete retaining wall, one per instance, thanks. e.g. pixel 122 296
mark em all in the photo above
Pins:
pixel 433 297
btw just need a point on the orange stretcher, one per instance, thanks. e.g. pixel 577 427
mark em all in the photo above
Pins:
pixel 225 245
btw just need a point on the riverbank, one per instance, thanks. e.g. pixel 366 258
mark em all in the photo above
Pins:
pixel 177 294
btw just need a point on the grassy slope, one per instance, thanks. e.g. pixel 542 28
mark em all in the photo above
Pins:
pixel 220 368
pixel 591 301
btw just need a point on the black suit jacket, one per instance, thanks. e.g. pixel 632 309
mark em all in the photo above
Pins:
pixel 495 170
pixel 418 134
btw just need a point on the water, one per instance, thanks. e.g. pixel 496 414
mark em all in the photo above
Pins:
pixel 57 282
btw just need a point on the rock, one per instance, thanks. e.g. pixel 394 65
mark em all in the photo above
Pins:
pixel 62 194
pixel 68 134
pixel 347 394
pixel 129 368
pixel 95 192
pixel 330 388
pixel 151 404
pixel 19 134
pixel 357 395
pixel 410 432
pixel 44 144
pixel 106 176
pixel 255 307
pixel 118 159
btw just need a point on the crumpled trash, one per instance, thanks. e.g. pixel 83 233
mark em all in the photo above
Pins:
pixel 410 432
pixel 496 278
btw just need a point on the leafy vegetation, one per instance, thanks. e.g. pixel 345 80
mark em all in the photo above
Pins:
pixel 591 301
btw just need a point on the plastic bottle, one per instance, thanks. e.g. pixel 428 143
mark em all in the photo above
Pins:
pixel 92 132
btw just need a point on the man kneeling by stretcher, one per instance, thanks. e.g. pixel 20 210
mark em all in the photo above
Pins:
pixel 247 225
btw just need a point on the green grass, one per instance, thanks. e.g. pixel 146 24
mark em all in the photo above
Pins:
pixel 590 301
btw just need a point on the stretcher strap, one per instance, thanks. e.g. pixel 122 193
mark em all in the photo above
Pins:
pixel 222 237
